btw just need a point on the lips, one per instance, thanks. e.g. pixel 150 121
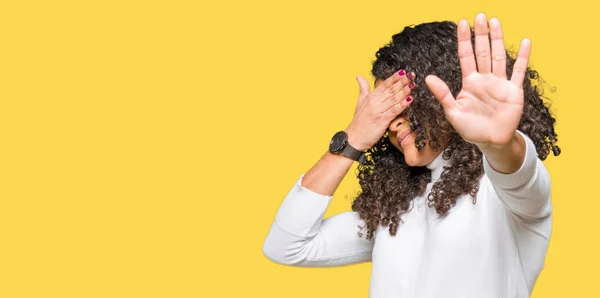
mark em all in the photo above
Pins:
pixel 403 135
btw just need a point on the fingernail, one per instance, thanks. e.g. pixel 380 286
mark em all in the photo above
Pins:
pixel 409 99
pixel 410 75
pixel 401 72
pixel 411 85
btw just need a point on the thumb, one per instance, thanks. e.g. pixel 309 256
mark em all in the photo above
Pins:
pixel 441 91
pixel 364 86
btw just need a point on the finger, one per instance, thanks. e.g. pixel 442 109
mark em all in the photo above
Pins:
pixel 404 81
pixel 520 66
pixel 441 91
pixel 397 98
pixel 465 48
pixel 498 50
pixel 397 108
pixel 389 82
pixel 482 44
pixel 364 88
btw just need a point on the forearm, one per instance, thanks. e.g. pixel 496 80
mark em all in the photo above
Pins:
pixel 327 174
pixel 300 235
pixel 508 158
pixel 524 188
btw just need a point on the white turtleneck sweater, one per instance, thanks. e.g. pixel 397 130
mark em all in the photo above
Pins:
pixel 494 248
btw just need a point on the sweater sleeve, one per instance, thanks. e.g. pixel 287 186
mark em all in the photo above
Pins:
pixel 300 236
pixel 526 192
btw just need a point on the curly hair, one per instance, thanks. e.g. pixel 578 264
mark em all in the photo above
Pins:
pixel 388 184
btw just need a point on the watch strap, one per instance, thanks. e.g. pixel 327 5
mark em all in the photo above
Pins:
pixel 353 153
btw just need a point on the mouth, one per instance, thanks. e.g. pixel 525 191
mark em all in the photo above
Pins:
pixel 403 136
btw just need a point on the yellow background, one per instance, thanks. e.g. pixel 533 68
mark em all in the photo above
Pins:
pixel 147 145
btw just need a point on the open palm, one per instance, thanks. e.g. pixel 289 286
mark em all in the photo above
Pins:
pixel 488 108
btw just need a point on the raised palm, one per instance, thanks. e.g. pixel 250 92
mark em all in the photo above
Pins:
pixel 488 108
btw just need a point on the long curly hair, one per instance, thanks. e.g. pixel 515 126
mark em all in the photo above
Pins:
pixel 388 184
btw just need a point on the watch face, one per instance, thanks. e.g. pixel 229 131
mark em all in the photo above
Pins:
pixel 338 142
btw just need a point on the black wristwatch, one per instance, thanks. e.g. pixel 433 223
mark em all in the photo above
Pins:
pixel 339 145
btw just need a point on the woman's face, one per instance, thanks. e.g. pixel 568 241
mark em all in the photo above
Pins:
pixel 403 138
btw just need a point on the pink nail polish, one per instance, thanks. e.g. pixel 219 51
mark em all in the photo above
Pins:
pixel 409 99
pixel 411 85
pixel 401 72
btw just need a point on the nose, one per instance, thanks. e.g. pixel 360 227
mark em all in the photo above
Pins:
pixel 396 123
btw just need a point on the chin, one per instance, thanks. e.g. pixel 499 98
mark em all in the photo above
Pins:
pixel 413 162
pixel 409 157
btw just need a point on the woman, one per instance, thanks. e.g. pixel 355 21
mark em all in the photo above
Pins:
pixel 455 201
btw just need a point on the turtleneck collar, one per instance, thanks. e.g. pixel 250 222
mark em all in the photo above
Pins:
pixel 437 166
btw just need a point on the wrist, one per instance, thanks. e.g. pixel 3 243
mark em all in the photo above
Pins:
pixel 500 148
pixel 354 140
pixel 508 158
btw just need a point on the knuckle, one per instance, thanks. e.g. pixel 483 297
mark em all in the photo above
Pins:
pixel 373 113
pixel 499 58
pixel 465 54
pixel 483 53
pixel 377 117
pixel 518 69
